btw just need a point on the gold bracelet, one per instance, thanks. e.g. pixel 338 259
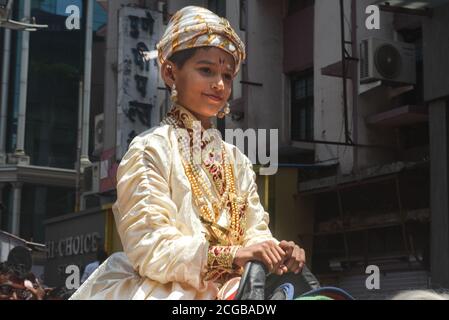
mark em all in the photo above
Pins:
pixel 222 256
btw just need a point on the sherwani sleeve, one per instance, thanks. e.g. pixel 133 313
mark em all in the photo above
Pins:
pixel 146 217
pixel 257 219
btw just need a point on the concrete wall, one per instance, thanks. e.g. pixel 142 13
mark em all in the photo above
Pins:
pixel 328 117
pixel 436 86
pixel 436 47
pixel 298 41
pixel 439 192
pixel 110 81
pixel 233 15
pixel 294 215
pixel 287 223
pixel 265 53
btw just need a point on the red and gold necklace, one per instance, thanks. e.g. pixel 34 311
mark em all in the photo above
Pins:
pixel 210 213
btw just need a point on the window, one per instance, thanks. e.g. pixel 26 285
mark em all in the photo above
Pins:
pixel 302 106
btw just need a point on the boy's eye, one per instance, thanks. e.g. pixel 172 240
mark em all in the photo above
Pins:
pixel 206 70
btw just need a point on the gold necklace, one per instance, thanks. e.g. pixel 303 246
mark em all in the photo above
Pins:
pixel 217 204
pixel 201 192
pixel 235 230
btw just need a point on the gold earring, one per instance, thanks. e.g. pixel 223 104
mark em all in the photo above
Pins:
pixel 174 94
pixel 225 112
pixel 227 109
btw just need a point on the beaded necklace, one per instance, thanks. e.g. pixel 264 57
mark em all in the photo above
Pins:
pixel 210 213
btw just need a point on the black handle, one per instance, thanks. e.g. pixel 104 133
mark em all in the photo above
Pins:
pixel 256 285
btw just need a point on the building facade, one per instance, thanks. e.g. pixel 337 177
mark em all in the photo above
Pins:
pixel 361 154
pixel 40 98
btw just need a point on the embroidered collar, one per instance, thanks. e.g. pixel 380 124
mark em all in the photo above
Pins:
pixel 184 118
pixel 181 117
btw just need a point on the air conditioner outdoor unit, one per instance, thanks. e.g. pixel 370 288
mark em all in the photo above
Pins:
pixel 99 133
pixel 390 61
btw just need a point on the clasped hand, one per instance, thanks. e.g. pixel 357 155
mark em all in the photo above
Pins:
pixel 279 259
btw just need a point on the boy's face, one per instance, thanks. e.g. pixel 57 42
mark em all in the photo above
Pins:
pixel 204 82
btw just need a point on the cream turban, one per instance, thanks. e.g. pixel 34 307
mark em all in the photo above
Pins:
pixel 193 27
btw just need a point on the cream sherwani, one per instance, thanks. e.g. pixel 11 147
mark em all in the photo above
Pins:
pixel 165 248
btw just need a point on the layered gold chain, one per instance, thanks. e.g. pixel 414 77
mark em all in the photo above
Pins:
pixel 202 193
pixel 199 185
